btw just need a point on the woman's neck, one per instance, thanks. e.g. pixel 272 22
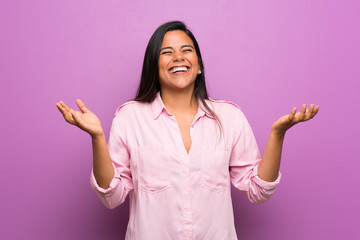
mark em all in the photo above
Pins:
pixel 179 102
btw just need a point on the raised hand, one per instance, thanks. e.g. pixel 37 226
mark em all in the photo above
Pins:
pixel 287 121
pixel 270 164
pixel 85 120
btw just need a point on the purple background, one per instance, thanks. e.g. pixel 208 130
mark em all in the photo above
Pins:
pixel 266 56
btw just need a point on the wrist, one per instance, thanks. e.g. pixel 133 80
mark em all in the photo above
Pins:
pixel 276 133
pixel 97 136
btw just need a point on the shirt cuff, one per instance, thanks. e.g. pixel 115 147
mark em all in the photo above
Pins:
pixel 264 184
pixel 105 192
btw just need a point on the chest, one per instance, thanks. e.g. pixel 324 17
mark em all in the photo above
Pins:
pixel 184 124
pixel 185 153
pixel 165 150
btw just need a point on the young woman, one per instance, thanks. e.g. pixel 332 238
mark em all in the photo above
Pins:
pixel 174 151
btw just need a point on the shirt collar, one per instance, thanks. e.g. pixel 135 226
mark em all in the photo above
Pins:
pixel 158 107
pixel 203 111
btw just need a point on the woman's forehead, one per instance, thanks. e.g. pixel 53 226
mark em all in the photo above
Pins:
pixel 176 38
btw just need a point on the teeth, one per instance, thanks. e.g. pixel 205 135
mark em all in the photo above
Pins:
pixel 178 69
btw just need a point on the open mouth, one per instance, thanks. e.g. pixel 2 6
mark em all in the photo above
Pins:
pixel 179 69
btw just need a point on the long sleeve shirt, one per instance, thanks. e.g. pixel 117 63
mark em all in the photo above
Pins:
pixel 175 194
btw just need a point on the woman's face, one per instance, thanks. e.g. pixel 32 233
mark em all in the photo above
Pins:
pixel 178 62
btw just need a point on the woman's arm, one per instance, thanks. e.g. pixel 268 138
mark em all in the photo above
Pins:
pixel 102 166
pixel 268 168
pixel 89 122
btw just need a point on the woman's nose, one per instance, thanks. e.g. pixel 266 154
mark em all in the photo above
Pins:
pixel 178 56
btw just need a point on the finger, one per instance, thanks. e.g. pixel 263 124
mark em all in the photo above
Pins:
pixel 69 118
pixel 316 110
pixel 301 115
pixel 60 108
pixel 65 107
pixel 76 116
pixel 292 114
pixel 65 112
pixel 309 112
pixel 81 106
pixel 62 105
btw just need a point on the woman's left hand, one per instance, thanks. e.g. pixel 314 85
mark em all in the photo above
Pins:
pixel 287 121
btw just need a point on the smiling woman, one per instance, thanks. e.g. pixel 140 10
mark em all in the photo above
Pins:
pixel 174 151
pixel 178 63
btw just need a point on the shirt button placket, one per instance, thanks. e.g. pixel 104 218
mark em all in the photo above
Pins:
pixel 187 208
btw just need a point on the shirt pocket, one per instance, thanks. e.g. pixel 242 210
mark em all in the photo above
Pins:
pixel 215 174
pixel 153 169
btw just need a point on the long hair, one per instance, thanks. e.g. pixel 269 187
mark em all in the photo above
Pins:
pixel 149 84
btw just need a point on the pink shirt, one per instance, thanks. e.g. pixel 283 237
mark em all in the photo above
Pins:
pixel 179 195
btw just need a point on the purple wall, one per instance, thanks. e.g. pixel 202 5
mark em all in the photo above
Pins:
pixel 267 56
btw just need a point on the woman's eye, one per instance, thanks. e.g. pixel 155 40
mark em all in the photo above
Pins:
pixel 167 52
pixel 187 50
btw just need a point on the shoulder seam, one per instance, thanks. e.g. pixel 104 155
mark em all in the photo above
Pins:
pixel 123 105
pixel 224 101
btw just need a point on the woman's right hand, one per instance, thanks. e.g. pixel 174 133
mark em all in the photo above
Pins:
pixel 85 120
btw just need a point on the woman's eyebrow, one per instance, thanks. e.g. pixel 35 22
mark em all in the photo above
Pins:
pixel 183 46
pixel 165 48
